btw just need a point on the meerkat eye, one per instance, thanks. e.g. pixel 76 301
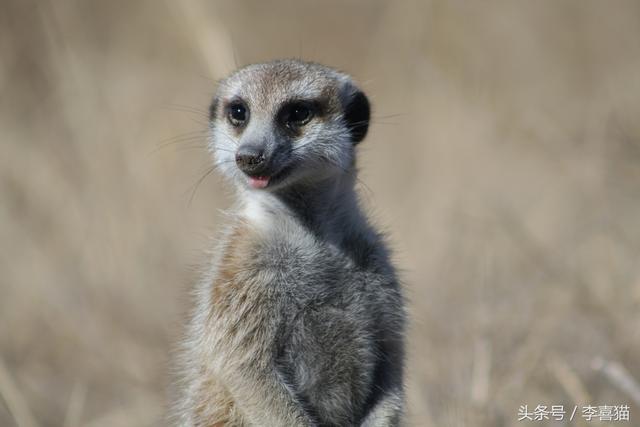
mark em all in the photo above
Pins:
pixel 297 114
pixel 237 114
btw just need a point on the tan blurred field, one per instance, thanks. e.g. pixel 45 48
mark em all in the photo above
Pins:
pixel 504 160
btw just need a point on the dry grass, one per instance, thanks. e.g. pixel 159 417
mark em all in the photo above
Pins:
pixel 504 159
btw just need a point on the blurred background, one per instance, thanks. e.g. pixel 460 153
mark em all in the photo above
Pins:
pixel 503 160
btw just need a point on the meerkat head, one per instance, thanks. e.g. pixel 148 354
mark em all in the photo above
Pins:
pixel 284 122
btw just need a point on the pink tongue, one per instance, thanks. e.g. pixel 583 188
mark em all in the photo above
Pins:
pixel 258 181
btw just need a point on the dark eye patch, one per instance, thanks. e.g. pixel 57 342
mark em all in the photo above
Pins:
pixel 213 108
pixel 295 114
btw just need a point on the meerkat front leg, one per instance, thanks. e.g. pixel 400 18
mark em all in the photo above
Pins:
pixel 262 396
pixel 246 318
pixel 243 395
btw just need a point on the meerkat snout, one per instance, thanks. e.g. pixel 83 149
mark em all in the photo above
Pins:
pixel 276 124
pixel 250 159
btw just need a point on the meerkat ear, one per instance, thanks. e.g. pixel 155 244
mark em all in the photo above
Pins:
pixel 357 113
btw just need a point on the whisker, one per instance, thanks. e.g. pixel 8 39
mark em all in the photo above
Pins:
pixel 183 140
pixel 187 109
pixel 389 116
pixel 198 182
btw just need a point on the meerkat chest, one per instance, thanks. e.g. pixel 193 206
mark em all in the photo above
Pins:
pixel 310 307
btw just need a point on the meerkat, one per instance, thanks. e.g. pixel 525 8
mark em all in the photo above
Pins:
pixel 300 319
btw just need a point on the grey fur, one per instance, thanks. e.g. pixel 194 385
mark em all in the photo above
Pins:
pixel 300 319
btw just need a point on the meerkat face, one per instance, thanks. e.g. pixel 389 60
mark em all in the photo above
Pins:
pixel 283 122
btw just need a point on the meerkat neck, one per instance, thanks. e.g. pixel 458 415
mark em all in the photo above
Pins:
pixel 328 208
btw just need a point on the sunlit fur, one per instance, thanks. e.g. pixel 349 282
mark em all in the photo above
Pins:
pixel 300 319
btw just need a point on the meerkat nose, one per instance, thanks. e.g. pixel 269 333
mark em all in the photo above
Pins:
pixel 251 160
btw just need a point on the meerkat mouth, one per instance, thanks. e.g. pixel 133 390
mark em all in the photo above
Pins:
pixel 259 181
pixel 263 181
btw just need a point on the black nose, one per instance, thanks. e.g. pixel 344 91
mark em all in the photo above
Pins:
pixel 251 160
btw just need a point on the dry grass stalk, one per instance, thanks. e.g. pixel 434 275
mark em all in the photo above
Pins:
pixel 15 401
